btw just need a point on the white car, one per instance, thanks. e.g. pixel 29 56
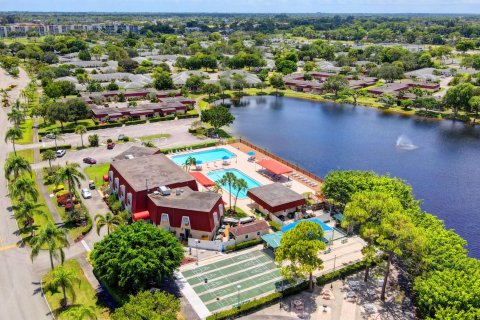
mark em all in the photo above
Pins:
pixel 86 194
pixel 60 153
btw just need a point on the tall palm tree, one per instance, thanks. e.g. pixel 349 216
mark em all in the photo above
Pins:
pixel 54 239
pixel 81 130
pixel 81 312
pixel 13 134
pixel 23 187
pixel 72 175
pixel 190 161
pixel 228 180
pixel 5 98
pixel 109 220
pixel 49 155
pixel 25 211
pixel 57 136
pixel 65 279
pixel 240 185
pixel 16 117
pixel 16 165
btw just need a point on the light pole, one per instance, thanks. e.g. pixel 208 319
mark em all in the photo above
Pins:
pixel 238 296
pixel 334 260
pixel 196 244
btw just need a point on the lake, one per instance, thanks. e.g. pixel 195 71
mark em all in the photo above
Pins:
pixel 440 159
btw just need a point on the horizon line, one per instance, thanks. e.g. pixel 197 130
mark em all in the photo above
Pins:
pixel 246 13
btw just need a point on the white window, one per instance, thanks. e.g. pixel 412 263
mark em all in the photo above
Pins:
pixel 186 222
pixel 220 209
pixel 215 218
pixel 165 219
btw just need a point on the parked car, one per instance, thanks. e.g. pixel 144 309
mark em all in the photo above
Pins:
pixel 110 145
pixel 50 136
pixel 89 160
pixel 60 153
pixel 91 185
pixel 121 136
pixel 86 194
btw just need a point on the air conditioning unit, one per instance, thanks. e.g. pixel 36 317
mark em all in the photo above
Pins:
pixel 165 191
pixel 178 192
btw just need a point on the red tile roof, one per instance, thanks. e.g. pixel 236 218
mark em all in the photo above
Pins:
pixel 255 226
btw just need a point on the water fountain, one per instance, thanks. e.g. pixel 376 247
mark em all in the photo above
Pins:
pixel 404 143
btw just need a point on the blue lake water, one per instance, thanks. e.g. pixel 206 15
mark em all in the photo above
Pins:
pixel 440 159
pixel 204 156
pixel 218 174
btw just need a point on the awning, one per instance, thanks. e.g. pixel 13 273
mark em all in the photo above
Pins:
pixel 202 179
pixel 274 166
pixel 273 239
pixel 142 215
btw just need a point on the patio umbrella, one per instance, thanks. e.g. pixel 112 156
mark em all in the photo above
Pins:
pixel 225 157
pixel 199 162
pixel 251 153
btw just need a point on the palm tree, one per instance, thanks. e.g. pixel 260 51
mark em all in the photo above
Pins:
pixel 240 185
pixel 65 279
pixel 109 220
pixel 16 117
pixel 217 188
pixel 190 161
pixel 81 130
pixel 13 134
pixel 5 98
pixel 228 180
pixel 81 312
pixel 71 174
pixel 25 212
pixel 22 187
pixel 57 134
pixel 54 239
pixel 49 155
pixel 16 165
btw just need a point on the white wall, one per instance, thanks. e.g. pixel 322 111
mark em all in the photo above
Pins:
pixel 216 245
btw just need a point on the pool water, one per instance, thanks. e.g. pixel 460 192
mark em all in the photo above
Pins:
pixel 218 174
pixel 204 156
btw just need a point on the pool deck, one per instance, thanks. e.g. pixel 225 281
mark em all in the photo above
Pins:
pixel 249 168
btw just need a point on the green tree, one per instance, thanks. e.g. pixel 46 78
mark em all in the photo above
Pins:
pixel 148 305
pixel 194 83
pixel 239 185
pixel 77 109
pixel 24 213
pixel 474 103
pixel 16 117
pixel 93 140
pixel 229 181
pixel 22 187
pixel 211 89
pixel 52 239
pixel 163 81
pixel 286 66
pixel 335 84
pixel 388 72
pixel 5 98
pixel 16 165
pixel 13 134
pixel 108 220
pixel 81 130
pixel 84 55
pixel 49 155
pixel 134 257
pixel 63 278
pixel 81 312
pixel 309 66
pixel 299 251
pixel 458 97
pixel 465 44
pixel 276 81
pixel 72 175
pixel 217 117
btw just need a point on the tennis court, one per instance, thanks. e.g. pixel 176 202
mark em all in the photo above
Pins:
pixel 216 284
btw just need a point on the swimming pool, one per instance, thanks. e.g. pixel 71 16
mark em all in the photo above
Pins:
pixel 218 174
pixel 318 221
pixel 204 156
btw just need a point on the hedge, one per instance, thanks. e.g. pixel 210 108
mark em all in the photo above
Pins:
pixel 275 225
pixel 193 146
pixel 340 273
pixel 186 116
pixel 89 128
pixel 166 118
pixel 251 306
pixel 460 117
pixel 62 146
pixel 89 225
pixel 133 122
pixel 243 245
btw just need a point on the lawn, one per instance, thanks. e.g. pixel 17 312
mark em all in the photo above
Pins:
pixel 27 154
pixel 27 131
pixel 155 136
pixel 96 173
pixel 44 127
pixel 85 294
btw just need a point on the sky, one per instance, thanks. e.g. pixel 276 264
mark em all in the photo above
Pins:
pixel 247 6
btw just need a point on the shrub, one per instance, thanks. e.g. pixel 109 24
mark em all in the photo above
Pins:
pixel 187 116
pixel 275 225
pixel 193 146
pixel 166 118
pixel 126 139
pixel 133 122
pixel 340 273
pixel 93 140
pixel 243 245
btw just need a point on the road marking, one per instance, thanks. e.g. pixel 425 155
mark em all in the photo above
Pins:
pixel 85 245
pixel 8 247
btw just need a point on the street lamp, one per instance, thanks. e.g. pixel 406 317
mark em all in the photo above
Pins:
pixel 238 295
pixel 196 244
pixel 334 260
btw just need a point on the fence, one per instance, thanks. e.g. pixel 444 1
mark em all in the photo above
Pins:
pixel 281 160
pixel 216 245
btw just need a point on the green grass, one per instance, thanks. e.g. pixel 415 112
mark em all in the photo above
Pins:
pixel 96 173
pixel 27 154
pixel 27 131
pixel 155 136
pixel 84 292
pixel 44 127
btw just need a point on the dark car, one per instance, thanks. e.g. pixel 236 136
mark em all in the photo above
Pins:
pixel 110 145
pixel 89 160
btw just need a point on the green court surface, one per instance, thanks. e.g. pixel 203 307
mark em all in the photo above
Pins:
pixel 255 272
